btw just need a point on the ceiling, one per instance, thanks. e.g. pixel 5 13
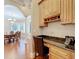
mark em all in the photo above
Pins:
pixel 19 2
pixel 11 11
pixel 17 8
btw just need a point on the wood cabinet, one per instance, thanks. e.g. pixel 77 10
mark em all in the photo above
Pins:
pixel 73 55
pixel 54 7
pixel 42 13
pixel 56 52
pixel 67 11
pixel 59 53
pixel 51 8
pixel 48 8
pixel 55 56
pixel 38 1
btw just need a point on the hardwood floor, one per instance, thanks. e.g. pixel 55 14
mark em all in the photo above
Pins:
pixel 40 57
pixel 17 50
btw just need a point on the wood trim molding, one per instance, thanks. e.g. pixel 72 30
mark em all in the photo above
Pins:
pixel 52 18
pixel 40 2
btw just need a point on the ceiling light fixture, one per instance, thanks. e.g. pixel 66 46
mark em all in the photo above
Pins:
pixel 10 19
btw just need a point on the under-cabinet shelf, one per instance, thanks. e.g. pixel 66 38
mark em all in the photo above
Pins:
pixel 52 18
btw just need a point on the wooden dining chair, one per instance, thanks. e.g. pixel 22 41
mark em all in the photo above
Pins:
pixel 40 49
pixel 6 39
pixel 12 36
pixel 11 32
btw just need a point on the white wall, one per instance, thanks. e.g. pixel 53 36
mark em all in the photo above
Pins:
pixel 6 26
pixel 58 30
pixel 27 23
pixel 35 19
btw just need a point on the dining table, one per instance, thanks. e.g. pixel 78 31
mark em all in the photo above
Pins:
pixel 9 37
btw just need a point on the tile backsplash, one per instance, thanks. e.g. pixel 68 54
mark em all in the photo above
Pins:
pixel 59 30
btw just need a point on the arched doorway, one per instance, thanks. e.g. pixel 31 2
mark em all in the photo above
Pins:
pixel 14 19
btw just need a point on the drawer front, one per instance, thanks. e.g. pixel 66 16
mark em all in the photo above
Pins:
pixel 60 52
pixel 55 56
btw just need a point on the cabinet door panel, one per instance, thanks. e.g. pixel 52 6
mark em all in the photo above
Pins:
pixel 59 53
pixel 47 9
pixel 62 10
pixel 73 55
pixel 54 7
pixel 55 56
pixel 67 11
pixel 41 15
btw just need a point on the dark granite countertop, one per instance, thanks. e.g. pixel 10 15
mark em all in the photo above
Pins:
pixel 58 40
pixel 52 38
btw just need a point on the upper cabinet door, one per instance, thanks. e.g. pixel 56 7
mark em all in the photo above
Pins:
pixel 67 11
pixel 54 7
pixel 41 15
pixel 47 9
pixel 43 12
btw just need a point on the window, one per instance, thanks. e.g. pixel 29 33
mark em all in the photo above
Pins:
pixel 18 27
